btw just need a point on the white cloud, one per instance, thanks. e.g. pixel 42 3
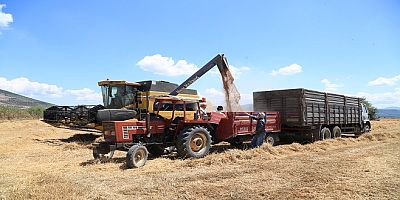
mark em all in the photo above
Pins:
pixel 215 96
pixel 384 99
pixel 5 18
pixel 29 88
pixel 214 92
pixel 288 70
pixel 385 81
pixel 161 65
pixel 85 94
pixel 330 87
pixel 237 71
pixel 24 86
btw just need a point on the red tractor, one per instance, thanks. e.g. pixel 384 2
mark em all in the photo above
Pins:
pixel 186 131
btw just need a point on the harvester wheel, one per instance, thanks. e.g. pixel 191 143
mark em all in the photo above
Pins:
pixel 336 132
pixel 325 134
pixel 194 142
pixel 101 156
pixel 136 156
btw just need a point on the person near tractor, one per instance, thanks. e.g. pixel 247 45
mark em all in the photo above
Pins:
pixel 259 135
pixel 219 110
pixel 203 111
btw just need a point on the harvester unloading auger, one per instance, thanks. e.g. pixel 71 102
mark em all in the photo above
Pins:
pixel 232 95
pixel 127 100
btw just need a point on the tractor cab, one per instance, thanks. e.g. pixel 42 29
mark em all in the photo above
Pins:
pixel 176 108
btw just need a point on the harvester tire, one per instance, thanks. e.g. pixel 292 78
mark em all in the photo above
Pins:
pixel 336 132
pixel 137 156
pixel 325 134
pixel 194 142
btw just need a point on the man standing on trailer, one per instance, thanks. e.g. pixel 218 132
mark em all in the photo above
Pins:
pixel 259 136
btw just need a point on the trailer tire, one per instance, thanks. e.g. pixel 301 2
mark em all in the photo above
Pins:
pixel 325 134
pixel 336 132
pixel 194 142
pixel 137 156
pixel 270 139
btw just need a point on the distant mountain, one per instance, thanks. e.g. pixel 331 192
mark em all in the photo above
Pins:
pixel 15 100
pixel 389 113
pixel 392 108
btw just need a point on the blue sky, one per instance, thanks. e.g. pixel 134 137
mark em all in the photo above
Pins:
pixel 57 51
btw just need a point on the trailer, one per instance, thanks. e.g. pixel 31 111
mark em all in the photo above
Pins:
pixel 314 115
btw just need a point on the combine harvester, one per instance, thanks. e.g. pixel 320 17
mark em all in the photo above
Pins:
pixel 122 100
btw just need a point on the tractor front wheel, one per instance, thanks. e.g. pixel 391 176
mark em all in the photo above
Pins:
pixel 137 156
pixel 194 142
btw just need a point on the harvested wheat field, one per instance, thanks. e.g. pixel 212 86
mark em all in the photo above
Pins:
pixel 38 161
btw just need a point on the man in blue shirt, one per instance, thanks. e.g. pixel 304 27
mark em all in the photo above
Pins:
pixel 259 136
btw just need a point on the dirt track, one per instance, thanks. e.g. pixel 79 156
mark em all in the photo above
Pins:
pixel 38 161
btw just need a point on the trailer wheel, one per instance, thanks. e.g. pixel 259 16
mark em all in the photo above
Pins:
pixel 336 132
pixel 325 134
pixel 270 139
pixel 194 142
pixel 136 156
pixel 101 156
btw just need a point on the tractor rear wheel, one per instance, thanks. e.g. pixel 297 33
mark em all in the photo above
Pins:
pixel 136 156
pixel 194 142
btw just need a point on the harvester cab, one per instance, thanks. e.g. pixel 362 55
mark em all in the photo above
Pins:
pixel 119 94
pixel 122 100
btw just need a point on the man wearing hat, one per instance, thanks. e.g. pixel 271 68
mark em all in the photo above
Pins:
pixel 259 136
pixel 203 112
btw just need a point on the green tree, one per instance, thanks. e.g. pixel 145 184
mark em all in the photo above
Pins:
pixel 372 111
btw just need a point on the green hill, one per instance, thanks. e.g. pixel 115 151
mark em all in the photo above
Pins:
pixel 18 101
